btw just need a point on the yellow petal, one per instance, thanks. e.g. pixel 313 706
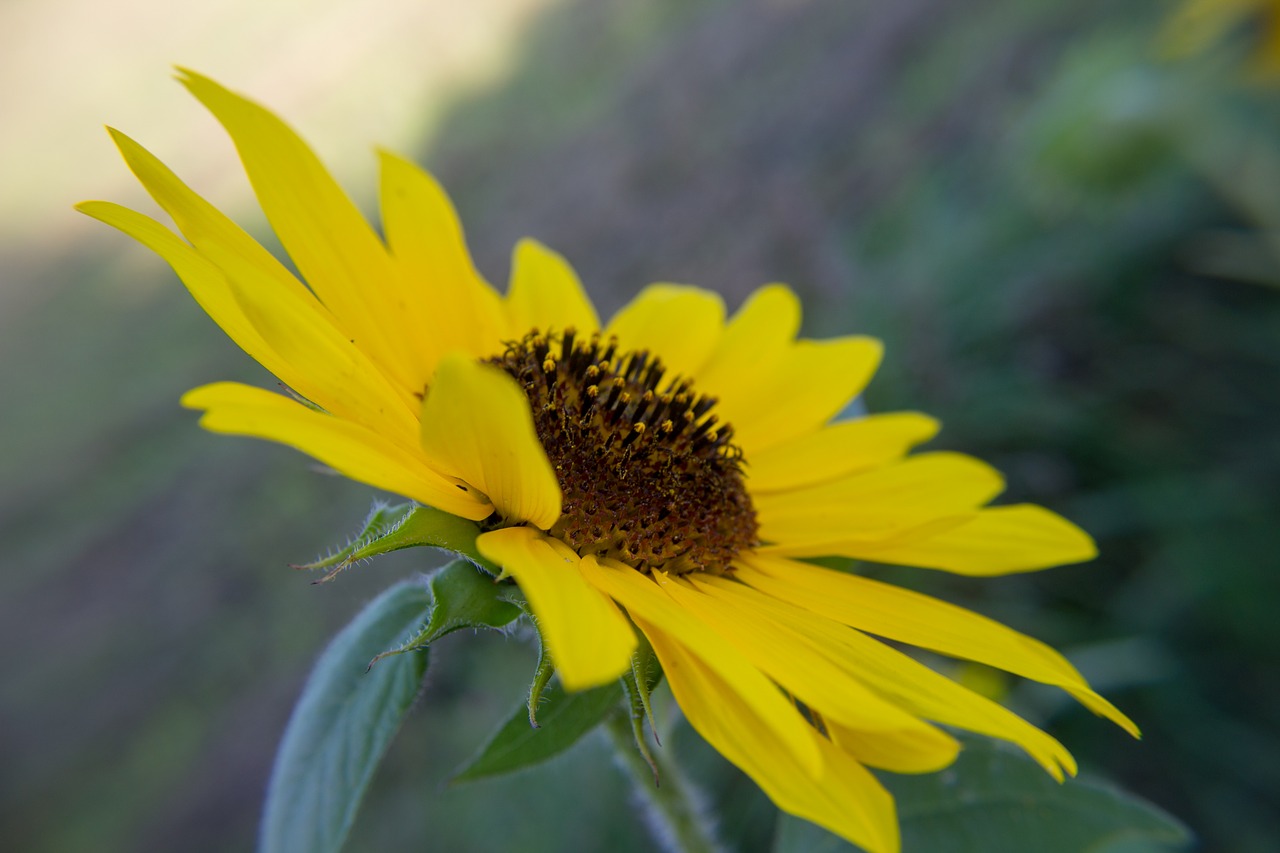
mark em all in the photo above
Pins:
pixel 912 685
pixel 789 657
pixel 996 541
pixel 910 617
pixel 590 641
pixel 339 381
pixel 476 426
pixel 838 449
pixel 1198 23
pixel 917 751
pixel 351 449
pixel 754 341
pixel 199 221
pixel 205 281
pixel 681 325
pixel 545 293
pixel 809 385
pixel 322 230
pixel 867 540
pixel 348 383
pixel 869 504
pixel 923 691
pixel 661 618
pixel 841 795
pixel 1265 64
pixel 452 306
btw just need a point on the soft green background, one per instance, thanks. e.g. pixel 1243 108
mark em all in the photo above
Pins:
pixel 1059 236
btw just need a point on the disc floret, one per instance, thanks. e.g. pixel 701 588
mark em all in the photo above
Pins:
pixel 648 473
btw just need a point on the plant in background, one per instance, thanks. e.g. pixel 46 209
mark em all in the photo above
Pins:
pixel 647 492
pixel 1198 24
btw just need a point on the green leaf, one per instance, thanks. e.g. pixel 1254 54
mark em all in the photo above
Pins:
pixel 996 800
pixel 342 725
pixel 563 719
pixel 464 597
pixel 407 526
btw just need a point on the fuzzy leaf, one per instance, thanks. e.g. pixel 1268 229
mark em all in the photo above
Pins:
pixel 408 526
pixel 465 597
pixel 563 719
pixel 541 678
pixel 342 725
pixel 381 518
pixel 639 682
pixel 996 800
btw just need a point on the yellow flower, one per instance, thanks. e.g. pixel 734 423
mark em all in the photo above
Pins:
pixel 1198 23
pixel 667 471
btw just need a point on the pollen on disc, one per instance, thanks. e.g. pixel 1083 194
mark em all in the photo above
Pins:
pixel 650 476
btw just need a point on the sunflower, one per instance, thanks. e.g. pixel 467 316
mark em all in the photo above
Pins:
pixel 668 473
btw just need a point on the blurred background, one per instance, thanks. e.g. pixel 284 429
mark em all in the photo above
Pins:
pixel 1067 235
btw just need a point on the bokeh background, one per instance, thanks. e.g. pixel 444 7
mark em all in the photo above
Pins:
pixel 1067 239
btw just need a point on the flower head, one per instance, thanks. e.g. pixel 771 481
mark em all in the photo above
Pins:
pixel 667 472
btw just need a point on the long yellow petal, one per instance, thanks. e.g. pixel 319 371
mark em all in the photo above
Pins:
pixel 935 697
pixel 905 616
pixel 198 220
pixel 353 450
pixel 1198 23
pixel 996 541
pixel 350 384
pixel 322 230
pixel 590 641
pixel 207 284
pixel 915 751
pixel 909 683
pixel 838 449
pixel 895 739
pixel 545 293
pixel 806 387
pixel 757 336
pixel 841 795
pixel 660 617
pixel 334 377
pixel 791 659
pixel 862 504
pixel 679 324
pixel 454 308
pixel 476 426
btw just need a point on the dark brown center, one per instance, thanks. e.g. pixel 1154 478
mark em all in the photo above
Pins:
pixel 648 474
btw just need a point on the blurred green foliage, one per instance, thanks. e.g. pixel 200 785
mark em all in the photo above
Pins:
pixel 1036 215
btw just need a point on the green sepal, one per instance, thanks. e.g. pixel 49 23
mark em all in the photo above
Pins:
pixel 644 675
pixel 342 726
pixel 563 719
pixel 996 800
pixel 541 677
pixel 382 517
pixel 464 597
pixel 392 528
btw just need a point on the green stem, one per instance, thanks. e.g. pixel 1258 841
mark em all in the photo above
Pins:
pixel 673 806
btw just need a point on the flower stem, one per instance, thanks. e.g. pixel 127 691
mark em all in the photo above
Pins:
pixel 674 808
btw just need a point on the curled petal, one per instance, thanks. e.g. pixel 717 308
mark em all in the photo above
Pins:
pixel 476 426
